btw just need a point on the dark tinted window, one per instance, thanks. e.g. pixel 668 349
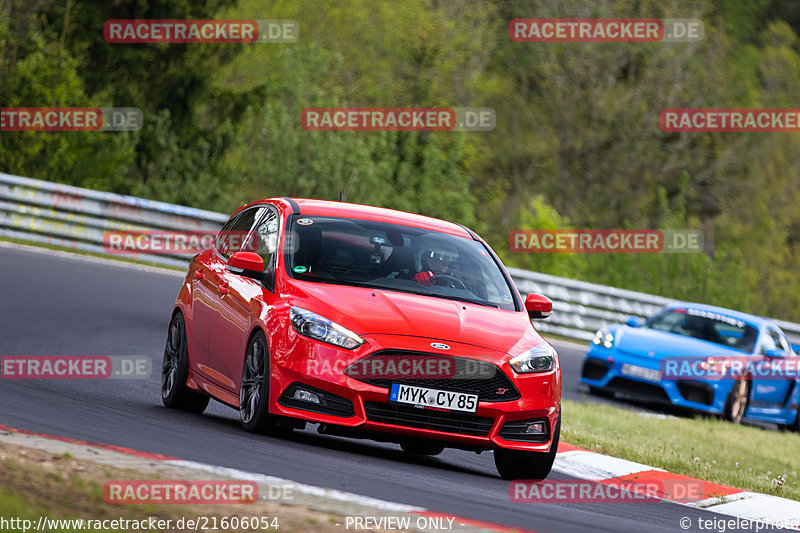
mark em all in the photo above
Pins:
pixel 394 257
pixel 708 326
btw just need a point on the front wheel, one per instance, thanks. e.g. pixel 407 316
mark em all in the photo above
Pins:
pixel 254 390
pixel 518 464
pixel 175 371
pixel 736 403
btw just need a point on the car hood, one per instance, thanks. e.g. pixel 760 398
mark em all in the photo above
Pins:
pixel 642 341
pixel 368 311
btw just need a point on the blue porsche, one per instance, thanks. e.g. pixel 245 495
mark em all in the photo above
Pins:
pixel 639 360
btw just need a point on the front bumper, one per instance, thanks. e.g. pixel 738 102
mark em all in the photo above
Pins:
pixel 602 369
pixel 320 366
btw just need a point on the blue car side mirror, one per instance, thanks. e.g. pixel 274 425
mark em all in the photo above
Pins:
pixel 632 322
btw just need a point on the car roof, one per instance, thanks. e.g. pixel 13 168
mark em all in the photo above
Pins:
pixel 745 317
pixel 311 207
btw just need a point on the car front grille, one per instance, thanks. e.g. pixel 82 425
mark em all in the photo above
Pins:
pixel 489 382
pixel 644 391
pixel 451 422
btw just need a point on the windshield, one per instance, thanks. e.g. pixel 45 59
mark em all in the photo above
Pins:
pixel 364 253
pixel 708 326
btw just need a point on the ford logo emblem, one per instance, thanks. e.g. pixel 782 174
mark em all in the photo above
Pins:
pixel 440 346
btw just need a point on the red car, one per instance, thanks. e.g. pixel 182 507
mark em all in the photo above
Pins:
pixel 371 323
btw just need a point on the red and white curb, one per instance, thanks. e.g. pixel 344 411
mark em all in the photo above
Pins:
pixel 570 460
pixel 585 464
pixel 321 499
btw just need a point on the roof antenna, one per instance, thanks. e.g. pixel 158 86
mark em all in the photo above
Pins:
pixel 340 196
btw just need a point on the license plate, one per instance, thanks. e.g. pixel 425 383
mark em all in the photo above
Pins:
pixel 440 399
pixel 639 372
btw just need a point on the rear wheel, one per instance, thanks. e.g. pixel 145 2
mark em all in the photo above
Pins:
pixel 175 371
pixel 736 403
pixel 254 390
pixel 422 448
pixel 518 464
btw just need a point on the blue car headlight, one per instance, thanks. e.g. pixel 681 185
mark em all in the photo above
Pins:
pixel 320 328
pixel 539 359
pixel 603 338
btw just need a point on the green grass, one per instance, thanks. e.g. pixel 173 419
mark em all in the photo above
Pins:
pixel 711 449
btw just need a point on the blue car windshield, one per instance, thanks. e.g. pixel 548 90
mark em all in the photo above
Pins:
pixel 378 255
pixel 708 326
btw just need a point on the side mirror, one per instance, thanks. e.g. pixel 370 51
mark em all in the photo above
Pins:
pixel 775 353
pixel 796 348
pixel 247 264
pixel 538 306
pixel 633 322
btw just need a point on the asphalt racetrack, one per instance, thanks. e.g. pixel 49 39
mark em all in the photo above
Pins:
pixel 59 304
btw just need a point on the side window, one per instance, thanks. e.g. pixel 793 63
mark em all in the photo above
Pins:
pixel 263 239
pixel 234 233
pixel 784 345
pixel 220 243
pixel 770 341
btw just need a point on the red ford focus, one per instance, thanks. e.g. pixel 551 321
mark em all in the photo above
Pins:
pixel 371 323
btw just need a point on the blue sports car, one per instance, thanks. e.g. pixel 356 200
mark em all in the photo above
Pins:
pixel 703 358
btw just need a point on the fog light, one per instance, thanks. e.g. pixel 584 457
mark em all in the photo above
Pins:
pixel 306 396
pixel 536 428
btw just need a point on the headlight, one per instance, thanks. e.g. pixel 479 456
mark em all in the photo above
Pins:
pixel 604 338
pixel 320 328
pixel 539 359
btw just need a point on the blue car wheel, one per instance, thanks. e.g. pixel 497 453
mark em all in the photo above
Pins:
pixel 738 398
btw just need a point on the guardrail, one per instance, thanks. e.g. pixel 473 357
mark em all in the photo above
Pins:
pixel 64 215
pixel 69 216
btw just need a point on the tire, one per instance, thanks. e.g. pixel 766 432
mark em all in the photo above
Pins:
pixel 254 390
pixel 175 394
pixel 736 403
pixel 517 464
pixel 422 448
